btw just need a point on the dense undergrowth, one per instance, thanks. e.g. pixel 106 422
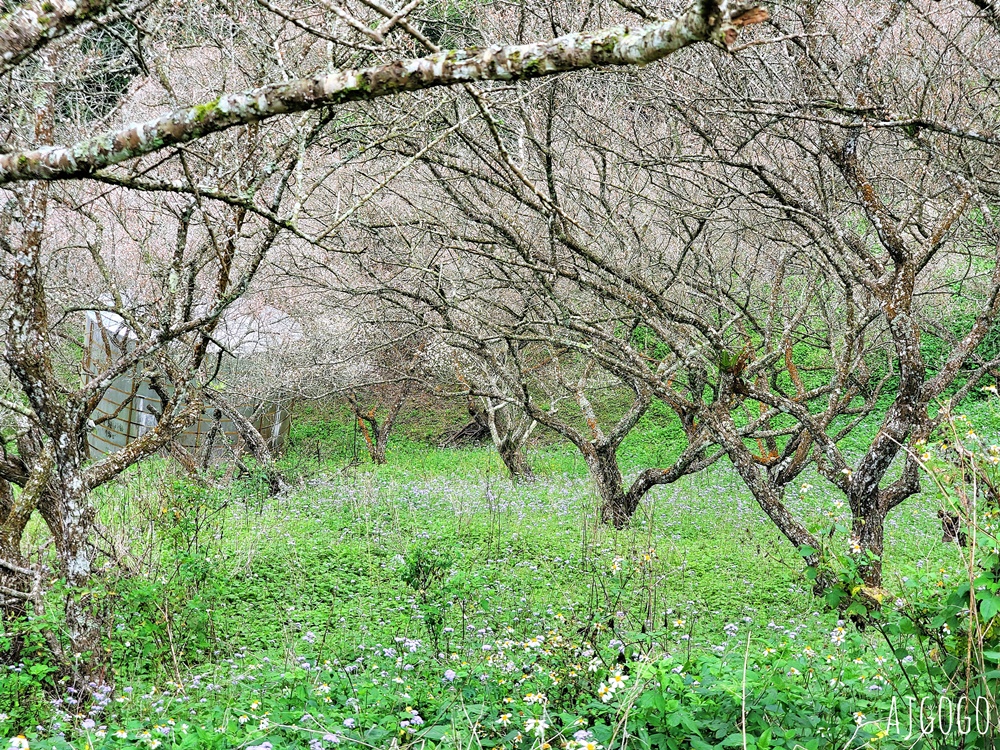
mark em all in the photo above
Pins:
pixel 430 602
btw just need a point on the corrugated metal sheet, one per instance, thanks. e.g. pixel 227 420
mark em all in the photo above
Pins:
pixel 128 408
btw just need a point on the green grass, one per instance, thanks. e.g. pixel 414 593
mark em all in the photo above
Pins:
pixel 321 574
pixel 327 558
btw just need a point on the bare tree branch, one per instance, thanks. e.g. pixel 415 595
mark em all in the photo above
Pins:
pixel 706 20
pixel 30 27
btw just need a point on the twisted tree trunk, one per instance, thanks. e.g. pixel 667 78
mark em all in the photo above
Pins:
pixel 515 461
pixel 617 506
pixel 508 433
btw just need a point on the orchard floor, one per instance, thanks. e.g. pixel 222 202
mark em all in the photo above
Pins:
pixel 236 612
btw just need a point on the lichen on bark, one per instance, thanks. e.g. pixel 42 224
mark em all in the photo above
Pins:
pixel 705 20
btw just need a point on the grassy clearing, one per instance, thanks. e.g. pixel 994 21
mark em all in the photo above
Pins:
pixel 246 620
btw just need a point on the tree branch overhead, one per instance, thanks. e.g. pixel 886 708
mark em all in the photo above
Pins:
pixel 705 21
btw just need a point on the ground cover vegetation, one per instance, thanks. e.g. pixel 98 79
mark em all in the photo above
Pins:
pixel 433 602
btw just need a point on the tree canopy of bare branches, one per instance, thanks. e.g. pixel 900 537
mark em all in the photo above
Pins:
pixel 154 158
pixel 773 245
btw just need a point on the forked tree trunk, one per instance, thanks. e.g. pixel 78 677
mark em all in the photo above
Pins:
pixel 507 435
pixel 515 461
pixel 768 494
pixel 376 433
pixel 378 448
pixel 617 505
pixel 600 451
pixel 868 532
